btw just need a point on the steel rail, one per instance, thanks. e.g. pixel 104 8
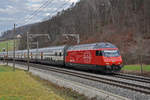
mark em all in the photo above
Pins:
pixel 118 83
pixel 133 77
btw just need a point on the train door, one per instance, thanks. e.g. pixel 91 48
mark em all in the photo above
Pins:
pixel 41 55
pixel 98 57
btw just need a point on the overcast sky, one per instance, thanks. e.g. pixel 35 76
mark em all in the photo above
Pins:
pixel 19 11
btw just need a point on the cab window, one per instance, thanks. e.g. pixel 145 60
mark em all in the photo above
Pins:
pixel 111 53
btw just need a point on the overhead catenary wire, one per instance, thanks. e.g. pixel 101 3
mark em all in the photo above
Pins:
pixel 60 8
pixel 36 11
pixel 43 6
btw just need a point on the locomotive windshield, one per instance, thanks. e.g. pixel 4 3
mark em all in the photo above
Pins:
pixel 111 53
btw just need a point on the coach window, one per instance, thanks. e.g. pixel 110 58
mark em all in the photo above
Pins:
pixel 60 54
pixel 98 53
pixel 55 53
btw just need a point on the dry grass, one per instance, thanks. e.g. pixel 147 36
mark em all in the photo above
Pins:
pixel 19 85
pixel 67 94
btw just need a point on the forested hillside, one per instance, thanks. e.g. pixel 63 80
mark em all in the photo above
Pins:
pixel 9 34
pixel 125 23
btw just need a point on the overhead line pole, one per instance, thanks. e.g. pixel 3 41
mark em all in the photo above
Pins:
pixel 7 53
pixel 28 60
pixel 37 44
pixel 28 47
pixel 14 49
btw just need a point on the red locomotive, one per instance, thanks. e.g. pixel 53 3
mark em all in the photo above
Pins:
pixel 100 56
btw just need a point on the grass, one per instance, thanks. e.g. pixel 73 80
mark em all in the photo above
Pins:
pixel 136 67
pixel 5 68
pixel 19 85
pixel 3 44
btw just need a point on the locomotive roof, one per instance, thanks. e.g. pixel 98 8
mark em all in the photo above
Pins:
pixel 92 46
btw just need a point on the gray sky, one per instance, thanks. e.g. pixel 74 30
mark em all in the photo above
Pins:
pixel 19 11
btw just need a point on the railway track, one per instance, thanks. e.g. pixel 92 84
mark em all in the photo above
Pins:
pixel 133 77
pixel 97 78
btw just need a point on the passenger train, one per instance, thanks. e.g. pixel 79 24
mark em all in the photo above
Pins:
pixel 103 57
